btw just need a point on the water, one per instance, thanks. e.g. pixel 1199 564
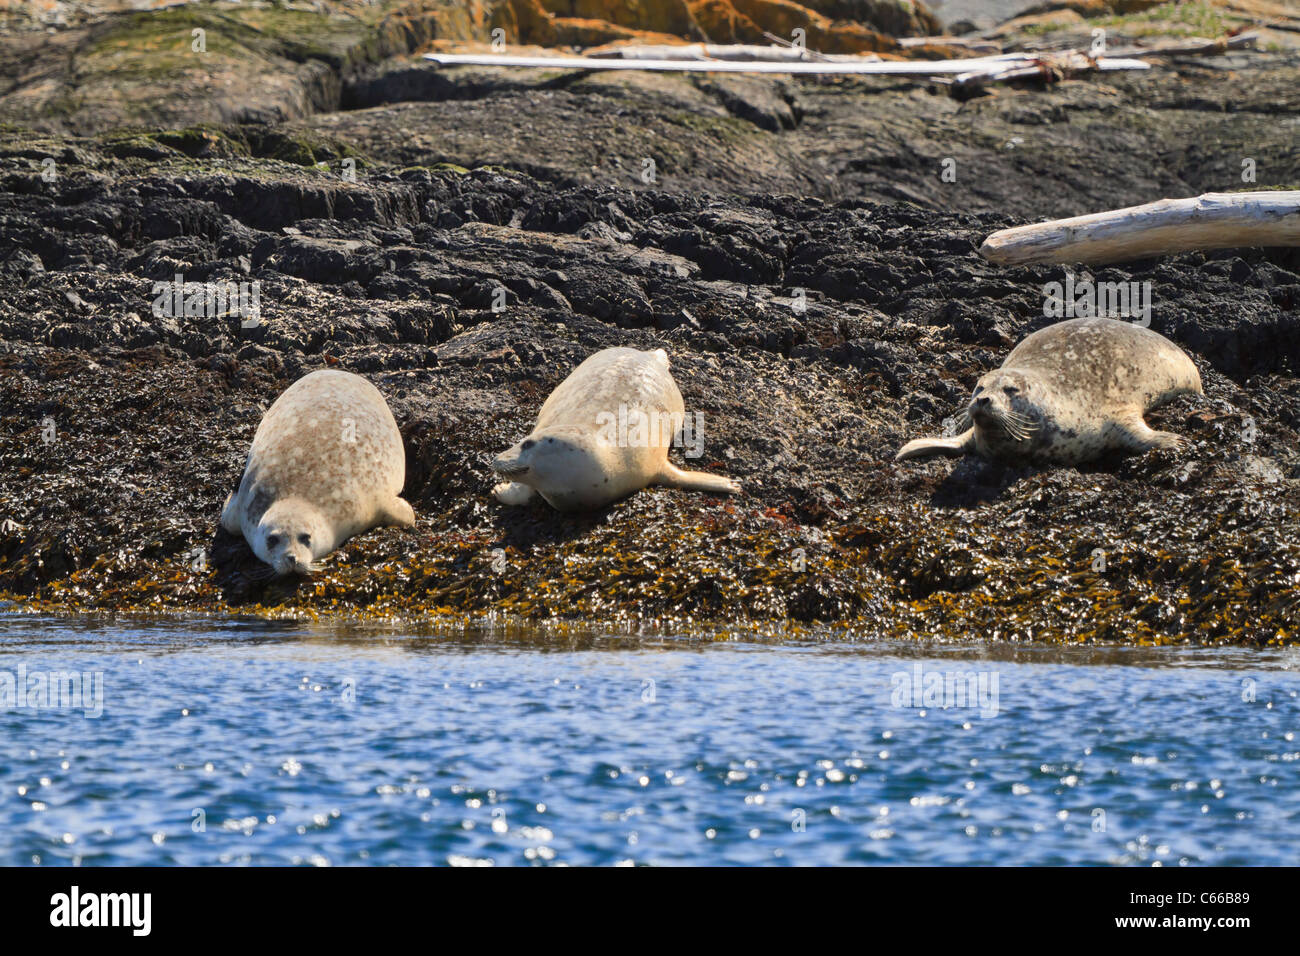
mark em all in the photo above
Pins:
pixel 258 743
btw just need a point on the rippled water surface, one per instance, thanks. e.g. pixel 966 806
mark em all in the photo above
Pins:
pixel 250 742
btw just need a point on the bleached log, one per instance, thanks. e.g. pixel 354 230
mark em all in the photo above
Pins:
pixel 857 65
pixel 1027 67
pixel 1211 221
pixel 706 51
pixel 741 52
pixel 976 45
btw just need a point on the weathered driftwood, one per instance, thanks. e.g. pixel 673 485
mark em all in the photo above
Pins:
pixel 1064 63
pixel 848 65
pixel 786 57
pixel 808 54
pixel 740 52
pixel 1212 221
pixel 1050 65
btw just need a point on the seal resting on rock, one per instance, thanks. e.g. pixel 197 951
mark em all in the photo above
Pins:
pixel 327 463
pixel 603 434
pixel 1071 393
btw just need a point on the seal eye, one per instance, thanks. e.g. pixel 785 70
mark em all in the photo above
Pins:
pixel 272 540
pixel 528 444
pixel 1011 390
pixel 304 539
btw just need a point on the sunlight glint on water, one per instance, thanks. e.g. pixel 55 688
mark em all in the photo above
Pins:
pixel 271 744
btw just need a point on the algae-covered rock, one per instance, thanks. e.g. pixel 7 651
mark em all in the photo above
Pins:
pixel 811 339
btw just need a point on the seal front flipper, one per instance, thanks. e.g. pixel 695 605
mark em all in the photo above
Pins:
pixel 1135 436
pixel 396 514
pixel 962 444
pixel 513 493
pixel 673 477
pixel 230 515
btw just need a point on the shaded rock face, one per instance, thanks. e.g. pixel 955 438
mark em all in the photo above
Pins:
pixel 811 338
pixel 891 17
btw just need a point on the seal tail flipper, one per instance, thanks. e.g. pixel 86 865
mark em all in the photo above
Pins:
pixel 673 477
pixel 513 493
pixel 229 515
pixel 397 514
pixel 927 447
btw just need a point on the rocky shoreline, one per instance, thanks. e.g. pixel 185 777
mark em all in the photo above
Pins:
pixel 465 244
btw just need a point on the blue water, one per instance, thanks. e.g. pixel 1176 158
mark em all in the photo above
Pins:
pixel 257 743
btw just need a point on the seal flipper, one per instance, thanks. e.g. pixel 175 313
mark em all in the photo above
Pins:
pixel 230 514
pixel 671 476
pixel 963 444
pixel 396 514
pixel 1135 436
pixel 513 493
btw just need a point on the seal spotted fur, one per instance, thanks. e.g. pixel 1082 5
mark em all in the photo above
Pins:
pixel 569 459
pixel 1071 393
pixel 326 464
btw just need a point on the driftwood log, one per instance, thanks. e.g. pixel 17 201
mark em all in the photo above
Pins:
pixel 1212 221
pixel 994 65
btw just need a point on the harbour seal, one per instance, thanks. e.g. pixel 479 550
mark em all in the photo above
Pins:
pixel 1070 393
pixel 601 435
pixel 326 463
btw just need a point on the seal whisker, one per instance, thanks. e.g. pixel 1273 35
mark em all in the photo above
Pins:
pixel 1014 429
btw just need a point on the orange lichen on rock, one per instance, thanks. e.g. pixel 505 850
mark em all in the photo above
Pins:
pixel 594 22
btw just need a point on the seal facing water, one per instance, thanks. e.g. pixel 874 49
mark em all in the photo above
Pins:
pixel 326 463
pixel 1071 393
pixel 603 434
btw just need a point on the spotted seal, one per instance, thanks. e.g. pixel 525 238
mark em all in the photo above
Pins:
pixel 326 463
pixel 601 435
pixel 1069 394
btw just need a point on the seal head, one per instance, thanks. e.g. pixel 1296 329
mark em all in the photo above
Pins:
pixel 560 465
pixel 1008 410
pixel 292 536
